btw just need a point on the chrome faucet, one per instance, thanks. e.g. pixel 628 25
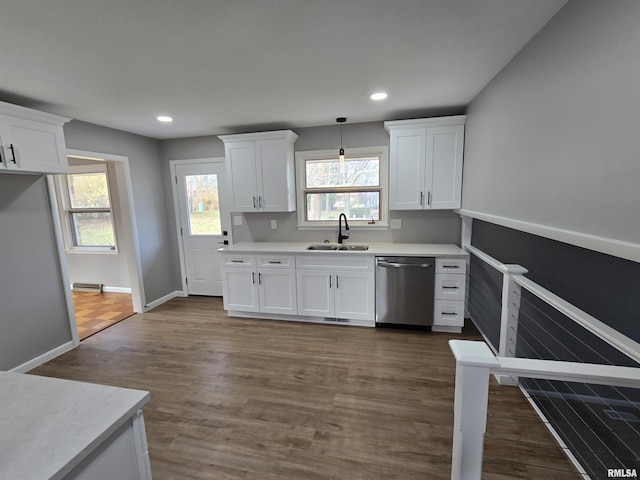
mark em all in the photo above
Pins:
pixel 342 236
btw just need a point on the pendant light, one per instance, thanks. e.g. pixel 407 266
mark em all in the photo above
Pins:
pixel 341 120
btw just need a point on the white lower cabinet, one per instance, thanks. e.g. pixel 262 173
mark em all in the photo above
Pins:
pixel 449 294
pixel 264 284
pixel 336 287
pixel 124 455
pixel 277 291
pixel 239 289
pixel 328 288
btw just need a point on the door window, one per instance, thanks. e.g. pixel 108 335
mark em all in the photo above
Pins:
pixel 203 204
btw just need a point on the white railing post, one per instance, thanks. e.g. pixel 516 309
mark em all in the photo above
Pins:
pixel 511 292
pixel 474 361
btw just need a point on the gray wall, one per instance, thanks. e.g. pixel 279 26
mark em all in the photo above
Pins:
pixel 110 268
pixel 553 139
pixel 33 313
pixel 422 227
pixel 147 177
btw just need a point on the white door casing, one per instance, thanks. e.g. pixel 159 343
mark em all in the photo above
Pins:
pixel 202 222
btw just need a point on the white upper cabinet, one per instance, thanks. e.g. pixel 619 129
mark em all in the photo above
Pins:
pixel 260 171
pixel 425 170
pixel 31 141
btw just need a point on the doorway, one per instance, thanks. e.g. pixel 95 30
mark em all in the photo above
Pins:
pixel 202 222
pixel 97 229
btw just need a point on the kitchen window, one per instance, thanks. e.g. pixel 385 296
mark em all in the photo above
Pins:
pixel 355 186
pixel 86 202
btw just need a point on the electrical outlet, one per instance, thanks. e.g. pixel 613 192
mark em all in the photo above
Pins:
pixel 396 223
pixel 274 224
pixel 237 219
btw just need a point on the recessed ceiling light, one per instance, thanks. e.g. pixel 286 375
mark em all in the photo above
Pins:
pixel 164 118
pixel 379 96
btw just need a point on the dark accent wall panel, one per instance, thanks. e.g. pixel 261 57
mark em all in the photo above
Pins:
pixel 485 300
pixel 604 286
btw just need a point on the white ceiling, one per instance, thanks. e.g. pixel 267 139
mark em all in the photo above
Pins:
pixel 229 66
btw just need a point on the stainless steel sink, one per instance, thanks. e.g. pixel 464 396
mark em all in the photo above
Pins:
pixel 333 246
pixel 358 248
pixel 322 246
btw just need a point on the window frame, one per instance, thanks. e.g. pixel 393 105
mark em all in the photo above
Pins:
pixel 301 157
pixel 67 211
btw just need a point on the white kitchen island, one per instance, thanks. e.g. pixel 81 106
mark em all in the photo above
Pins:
pixel 60 429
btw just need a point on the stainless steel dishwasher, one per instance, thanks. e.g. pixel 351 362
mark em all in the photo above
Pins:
pixel 404 291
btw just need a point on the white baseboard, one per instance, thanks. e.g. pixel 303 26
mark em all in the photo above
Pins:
pixel 107 289
pixel 44 358
pixel 304 319
pixel 161 300
pixel 610 246
pixel 446 329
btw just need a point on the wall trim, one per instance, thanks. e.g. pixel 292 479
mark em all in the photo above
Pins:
pixel 610 246
pixel 166 298
pixel 44 358
pixel 107 289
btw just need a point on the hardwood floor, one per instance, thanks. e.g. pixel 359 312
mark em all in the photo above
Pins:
pixel 97 311
pixel 252 399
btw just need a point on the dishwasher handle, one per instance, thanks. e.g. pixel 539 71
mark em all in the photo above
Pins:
pixel 404 265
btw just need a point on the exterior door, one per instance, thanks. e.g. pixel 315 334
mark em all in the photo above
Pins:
pixel 203 224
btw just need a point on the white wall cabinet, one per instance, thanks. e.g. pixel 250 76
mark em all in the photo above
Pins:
pixel 31 141
pixel 336 287
pixel 265 284
pixel 425 163
pixel 260 171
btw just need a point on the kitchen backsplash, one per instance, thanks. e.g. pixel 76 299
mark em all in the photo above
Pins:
pixel 417 227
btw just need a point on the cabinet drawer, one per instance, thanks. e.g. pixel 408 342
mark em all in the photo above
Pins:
pixel 338 260
pixel 276 261
pixel 451 265
pixel 450 286
pixel 449 312
pixel 239 260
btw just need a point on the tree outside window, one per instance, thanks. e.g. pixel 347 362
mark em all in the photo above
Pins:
pixel 351 187
pixel 89 209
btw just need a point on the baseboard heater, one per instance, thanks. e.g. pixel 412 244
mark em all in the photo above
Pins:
pixel 87 287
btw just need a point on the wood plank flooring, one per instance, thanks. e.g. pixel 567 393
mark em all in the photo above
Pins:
pixel 97 311
pixel 253 399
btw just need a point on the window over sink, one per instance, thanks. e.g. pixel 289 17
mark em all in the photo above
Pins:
pixel 356 186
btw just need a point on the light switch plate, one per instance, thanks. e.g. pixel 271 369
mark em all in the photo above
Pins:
pixel 274 224
pixel 396 223
pixel 237 219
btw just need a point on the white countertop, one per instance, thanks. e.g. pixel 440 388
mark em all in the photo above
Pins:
pixel 48 425
pixel 375 249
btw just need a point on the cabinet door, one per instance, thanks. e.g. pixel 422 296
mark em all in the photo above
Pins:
pixel 407 169
pixel 275 176
pixel 315 292
pixel 277 290
pixel 241 170
pixel 30 146
pixel 354 295
pixel 444 166
pixel 240 289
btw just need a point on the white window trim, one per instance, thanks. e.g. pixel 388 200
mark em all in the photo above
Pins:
pixel 62 187
pixel 303 156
